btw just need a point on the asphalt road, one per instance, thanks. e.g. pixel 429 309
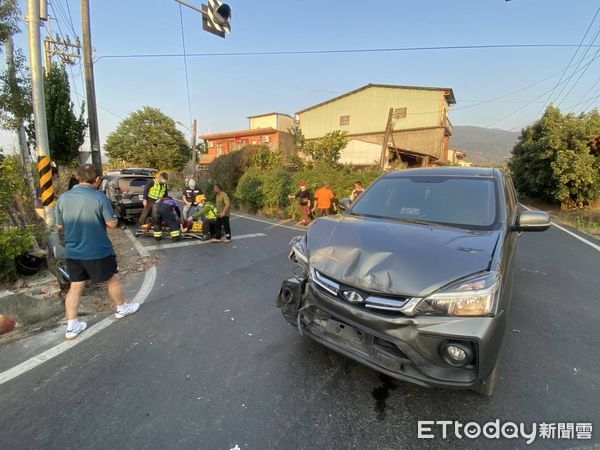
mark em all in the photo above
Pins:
pixel 209 362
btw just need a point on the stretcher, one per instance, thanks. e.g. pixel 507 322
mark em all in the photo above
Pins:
pixel 189 230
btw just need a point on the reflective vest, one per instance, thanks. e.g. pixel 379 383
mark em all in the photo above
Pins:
pixel 157 190
pixel 211 214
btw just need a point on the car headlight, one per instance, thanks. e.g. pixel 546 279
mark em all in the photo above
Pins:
pixel 476 296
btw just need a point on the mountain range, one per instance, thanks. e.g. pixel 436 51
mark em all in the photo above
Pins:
pixel 484 146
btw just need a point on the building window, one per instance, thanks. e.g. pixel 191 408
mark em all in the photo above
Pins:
pixel 344 120
pixel 400 113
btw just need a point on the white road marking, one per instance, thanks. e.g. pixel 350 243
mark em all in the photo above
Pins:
pixel 139 247
pixel 152 248
pixel 268 222
pixel 576 236
pixel 35 361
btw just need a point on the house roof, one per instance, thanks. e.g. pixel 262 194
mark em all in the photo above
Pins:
pixel 449 93
pixel 241 133
pixel 269 114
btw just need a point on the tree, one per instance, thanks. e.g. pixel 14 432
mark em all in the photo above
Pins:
pixel 10 17
pixel 15 94
pixel 555 160
pixel 328 149
pixel 148 138
pixel 66 131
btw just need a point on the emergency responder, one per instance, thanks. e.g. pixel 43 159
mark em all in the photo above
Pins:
pixel 166 209
pixel 190 193
pixel 208 213
pixel 155 189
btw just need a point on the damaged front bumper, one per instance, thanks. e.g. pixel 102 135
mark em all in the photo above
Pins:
pixel 407 348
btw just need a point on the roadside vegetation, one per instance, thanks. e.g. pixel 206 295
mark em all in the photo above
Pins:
pixel 556 167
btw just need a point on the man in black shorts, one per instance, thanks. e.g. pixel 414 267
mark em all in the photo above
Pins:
pixel 84 214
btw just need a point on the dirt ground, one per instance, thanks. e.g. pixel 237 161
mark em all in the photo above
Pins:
pixel 584 219
pixel 95 298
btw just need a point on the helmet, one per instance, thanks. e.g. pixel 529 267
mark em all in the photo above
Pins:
pixel 200 198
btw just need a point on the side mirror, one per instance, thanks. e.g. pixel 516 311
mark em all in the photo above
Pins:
pixel 532 221
pixel 345 204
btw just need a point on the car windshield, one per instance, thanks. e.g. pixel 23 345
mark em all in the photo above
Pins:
pixel 463 202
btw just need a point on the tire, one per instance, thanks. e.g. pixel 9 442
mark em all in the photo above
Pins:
pixel 487 386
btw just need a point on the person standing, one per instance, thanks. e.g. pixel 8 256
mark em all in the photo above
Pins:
pixel 84 214
pixel 324 201
pixel 189 197
pixel 155 189
pixel 305 201
pixel 358 189
pixel 223 209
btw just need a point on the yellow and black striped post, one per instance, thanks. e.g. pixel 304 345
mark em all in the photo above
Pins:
pixel 46 188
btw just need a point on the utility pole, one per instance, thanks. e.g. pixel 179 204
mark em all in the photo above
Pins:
pixel 194 153
pixel 67 51
pixel 89 86
pixel 39 111
pixel 386 138
pixel 24 148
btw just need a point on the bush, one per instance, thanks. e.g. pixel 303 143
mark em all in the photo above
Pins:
pixel 13 242
pixel 227 170
pixel 248 192
pixel 276 186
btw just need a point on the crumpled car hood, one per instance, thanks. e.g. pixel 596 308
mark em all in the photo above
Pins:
pixel 396 258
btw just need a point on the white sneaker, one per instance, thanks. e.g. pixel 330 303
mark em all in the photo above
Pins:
pixel 126 309
pixel 76 330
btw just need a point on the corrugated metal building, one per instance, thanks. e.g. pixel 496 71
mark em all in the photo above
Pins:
pixel 421 127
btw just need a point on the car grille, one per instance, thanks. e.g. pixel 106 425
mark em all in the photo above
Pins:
pixel 357 297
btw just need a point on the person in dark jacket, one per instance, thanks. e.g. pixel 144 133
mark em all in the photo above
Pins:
pixel 166 209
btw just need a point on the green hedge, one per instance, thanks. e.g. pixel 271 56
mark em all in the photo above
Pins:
pixel 267 190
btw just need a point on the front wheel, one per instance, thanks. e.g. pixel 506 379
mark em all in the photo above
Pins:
pixel 487 386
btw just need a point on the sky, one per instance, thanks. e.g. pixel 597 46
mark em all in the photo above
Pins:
pixel 224 90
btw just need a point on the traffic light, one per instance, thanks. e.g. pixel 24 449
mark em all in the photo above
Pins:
pixel 216 18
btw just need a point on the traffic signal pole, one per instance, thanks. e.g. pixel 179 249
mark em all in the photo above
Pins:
pixel 39 111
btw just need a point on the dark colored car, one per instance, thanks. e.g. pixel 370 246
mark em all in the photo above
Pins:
pixel 125 190
pixel 415 278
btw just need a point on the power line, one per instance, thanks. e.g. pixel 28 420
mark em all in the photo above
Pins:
pixel 543 94
pixel 577 67
pixel 322 52
pixel 187 80
pixel 570 61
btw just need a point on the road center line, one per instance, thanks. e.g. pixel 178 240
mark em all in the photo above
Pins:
pixel 575 235
pixel 151 248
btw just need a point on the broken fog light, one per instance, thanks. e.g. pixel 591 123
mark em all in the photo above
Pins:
pixel 475 296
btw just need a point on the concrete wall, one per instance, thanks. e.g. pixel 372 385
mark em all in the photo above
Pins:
pixel 277 121
pixel 368 111
pixel 361 153
pixel 427 142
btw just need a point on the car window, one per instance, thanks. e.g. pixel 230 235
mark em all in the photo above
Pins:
pixel 465 202
pixel 129 183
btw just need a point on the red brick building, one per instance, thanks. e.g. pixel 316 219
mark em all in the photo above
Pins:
pixel 269 130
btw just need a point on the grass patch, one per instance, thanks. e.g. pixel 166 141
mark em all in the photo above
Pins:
pixel 584 219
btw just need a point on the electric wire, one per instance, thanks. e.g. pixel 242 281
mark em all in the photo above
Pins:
pixel 570 61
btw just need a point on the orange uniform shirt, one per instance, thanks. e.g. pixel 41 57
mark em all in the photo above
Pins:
pixel 323 198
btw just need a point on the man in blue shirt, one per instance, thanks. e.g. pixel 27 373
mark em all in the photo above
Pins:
pixel 83 214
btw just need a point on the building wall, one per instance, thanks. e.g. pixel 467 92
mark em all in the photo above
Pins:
pixel 429 142
pixel 263 122
pixel 368 111
pixel 276 121
pixel 361 153
pixel 274 140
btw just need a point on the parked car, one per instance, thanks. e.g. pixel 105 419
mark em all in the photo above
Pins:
pixel 415 278
pixel 125 190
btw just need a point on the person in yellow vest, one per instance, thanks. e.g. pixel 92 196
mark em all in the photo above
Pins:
pixel 208 213
pixel 154 190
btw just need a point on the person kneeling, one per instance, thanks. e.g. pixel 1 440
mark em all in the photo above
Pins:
pixel 166 210
pixel 208 213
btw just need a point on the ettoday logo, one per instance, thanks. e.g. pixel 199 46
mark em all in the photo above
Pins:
pixel 430 429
